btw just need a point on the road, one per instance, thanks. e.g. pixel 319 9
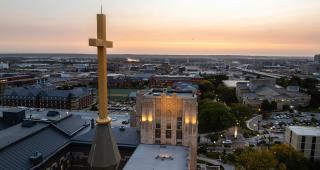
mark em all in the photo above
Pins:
pixel 252 123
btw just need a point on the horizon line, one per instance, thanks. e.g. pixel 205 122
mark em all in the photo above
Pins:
pixel 246 55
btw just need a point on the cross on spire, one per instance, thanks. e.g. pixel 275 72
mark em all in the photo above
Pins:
pixel 101 43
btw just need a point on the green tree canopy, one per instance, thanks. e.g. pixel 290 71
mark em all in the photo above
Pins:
pixel 241 111
pixel 214 116
pixel 287 155
pixel 226 94
pixel 280 157
pixel 251 159
pixel 266 106
pixel 206 86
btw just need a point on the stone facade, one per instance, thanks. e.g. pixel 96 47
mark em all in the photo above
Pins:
pixel 168 118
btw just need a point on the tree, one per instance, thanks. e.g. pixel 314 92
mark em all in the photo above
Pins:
pixel 283 81
pixel 251 159
pixel 226 94
pixel 214 116
pixel 206 86
pixel 281 157
pixel 208 95
pixel 295 81
pixel 216 80
pixel 309 83
pixel 286 155
pixel 207 89
pixel 241 111
pixel 265 105
pixel 273 105
pixel 268 106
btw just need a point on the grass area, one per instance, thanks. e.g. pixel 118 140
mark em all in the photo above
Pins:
pixel 120 94
pixel 247 133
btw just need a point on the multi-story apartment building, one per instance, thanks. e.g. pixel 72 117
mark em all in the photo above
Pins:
pixel 168 117
pixel 304 139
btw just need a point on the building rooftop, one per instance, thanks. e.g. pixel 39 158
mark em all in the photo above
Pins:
pixel 72 124
pixel 28 91
pixel 157 157
pixel 17 132
pixel 18 143
pixel 170 92
pixel 305 130
pixel 17 156
pixel 233 83
pixel 130 137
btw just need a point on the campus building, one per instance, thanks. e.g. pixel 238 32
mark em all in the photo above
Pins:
pixel 257 90
pixel 304 139
pixel 168 117
pixel 43 97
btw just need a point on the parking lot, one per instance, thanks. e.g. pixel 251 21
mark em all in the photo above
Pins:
pixel 274 126
pixel 292 119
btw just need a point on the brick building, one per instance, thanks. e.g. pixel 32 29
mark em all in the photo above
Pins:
pixel 39 97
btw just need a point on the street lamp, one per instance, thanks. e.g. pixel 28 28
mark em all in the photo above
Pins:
pixel 236 132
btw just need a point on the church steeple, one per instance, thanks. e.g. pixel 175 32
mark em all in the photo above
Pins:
pixel 104 153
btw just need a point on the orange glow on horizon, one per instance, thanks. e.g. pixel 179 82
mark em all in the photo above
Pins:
pixel 248 27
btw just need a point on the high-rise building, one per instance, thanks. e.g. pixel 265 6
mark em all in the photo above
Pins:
pixel 168 117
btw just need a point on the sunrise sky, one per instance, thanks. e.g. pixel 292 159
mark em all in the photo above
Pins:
pixel 248 27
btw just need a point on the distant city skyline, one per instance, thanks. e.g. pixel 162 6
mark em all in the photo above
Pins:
pixel 242 27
